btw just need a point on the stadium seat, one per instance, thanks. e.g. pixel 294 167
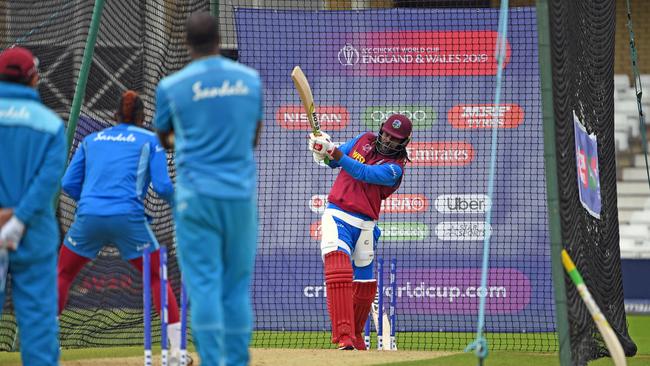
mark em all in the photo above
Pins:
pixel 635 232
pixel 621 141
pixel 621 81
pixel 640 217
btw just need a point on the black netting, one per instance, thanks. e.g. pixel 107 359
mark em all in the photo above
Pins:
pixel 431 60
pixel 138 43
pixel 582 34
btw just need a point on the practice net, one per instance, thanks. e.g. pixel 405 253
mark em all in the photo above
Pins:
pixel 138 43
pixel 582 39
pixel 430 60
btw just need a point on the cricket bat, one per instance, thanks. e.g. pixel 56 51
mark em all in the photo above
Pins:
pixel 307 98
pixel 386 330
pixel 374 312
pixel 611 340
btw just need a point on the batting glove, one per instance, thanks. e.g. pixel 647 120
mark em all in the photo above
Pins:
pixel 313 137
pixel 318 158
pixel 322 145
pixel 11 233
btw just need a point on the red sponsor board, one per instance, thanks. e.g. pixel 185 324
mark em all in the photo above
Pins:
pixel 475 116
pixel 422 53
pixel 405 203
pixel 101 283
pixel 294 117
pixel 314 230
pixel 442 153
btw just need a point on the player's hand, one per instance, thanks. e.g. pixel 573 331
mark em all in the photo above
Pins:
pixel 5 215
pixel 313 137
pixel 322 144
pixel 318 158
pixel 11 233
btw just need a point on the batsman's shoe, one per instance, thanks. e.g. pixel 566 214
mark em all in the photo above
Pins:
pixel 346 344
pixel 359 343
pixel 175 359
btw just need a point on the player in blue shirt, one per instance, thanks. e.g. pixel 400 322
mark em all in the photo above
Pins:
pixel 109 176
pixel 212 110
pixel 32 147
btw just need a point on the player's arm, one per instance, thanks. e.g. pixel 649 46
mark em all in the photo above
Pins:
pixel 162 120
pixel 344 150
pixel 160 180
pixel 387 174
pixel 45 183
pixel 260 118
pixel 73 179
pixel 258 134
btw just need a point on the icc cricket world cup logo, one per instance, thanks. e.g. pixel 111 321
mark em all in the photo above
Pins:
pixel 348 55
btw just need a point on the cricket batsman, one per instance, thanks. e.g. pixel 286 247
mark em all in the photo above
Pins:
pixel 372 168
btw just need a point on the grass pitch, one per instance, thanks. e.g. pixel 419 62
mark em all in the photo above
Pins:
pixel 639 329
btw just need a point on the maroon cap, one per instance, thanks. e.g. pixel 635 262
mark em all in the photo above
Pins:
pixel 18 62
pixel 398 126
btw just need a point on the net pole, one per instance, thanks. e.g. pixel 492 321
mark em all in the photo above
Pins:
pixel 214 8
pixel 638 88
pixel 480 345
pixel 80 89
pixel 552 194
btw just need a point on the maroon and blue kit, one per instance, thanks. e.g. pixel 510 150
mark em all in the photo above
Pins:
pixel 350 233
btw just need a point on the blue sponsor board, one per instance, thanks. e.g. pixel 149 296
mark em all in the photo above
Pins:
pixel 438 65
pixel 587 168
pixel 635 285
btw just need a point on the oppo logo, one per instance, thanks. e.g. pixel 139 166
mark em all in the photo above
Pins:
pixel 463 203
pixel 421 116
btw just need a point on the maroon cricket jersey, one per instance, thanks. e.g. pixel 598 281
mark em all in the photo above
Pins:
pixel 357 196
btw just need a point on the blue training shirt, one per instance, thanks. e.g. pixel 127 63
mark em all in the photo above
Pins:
pixel 385 174
pixel 112 168
pixel 213 105
pixel 32 160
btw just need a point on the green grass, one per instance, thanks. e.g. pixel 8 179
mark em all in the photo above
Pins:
pixel 502 358
pixel 639 327
pixel 434 341
pixel 82 354
pixel 639 330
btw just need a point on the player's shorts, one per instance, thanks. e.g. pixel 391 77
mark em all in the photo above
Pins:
pixel 353 235
pixel 131 235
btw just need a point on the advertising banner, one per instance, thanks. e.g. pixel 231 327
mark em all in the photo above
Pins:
pixel 587 167
pixel 437 67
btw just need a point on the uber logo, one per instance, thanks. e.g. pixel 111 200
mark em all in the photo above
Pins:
pixel 463 203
